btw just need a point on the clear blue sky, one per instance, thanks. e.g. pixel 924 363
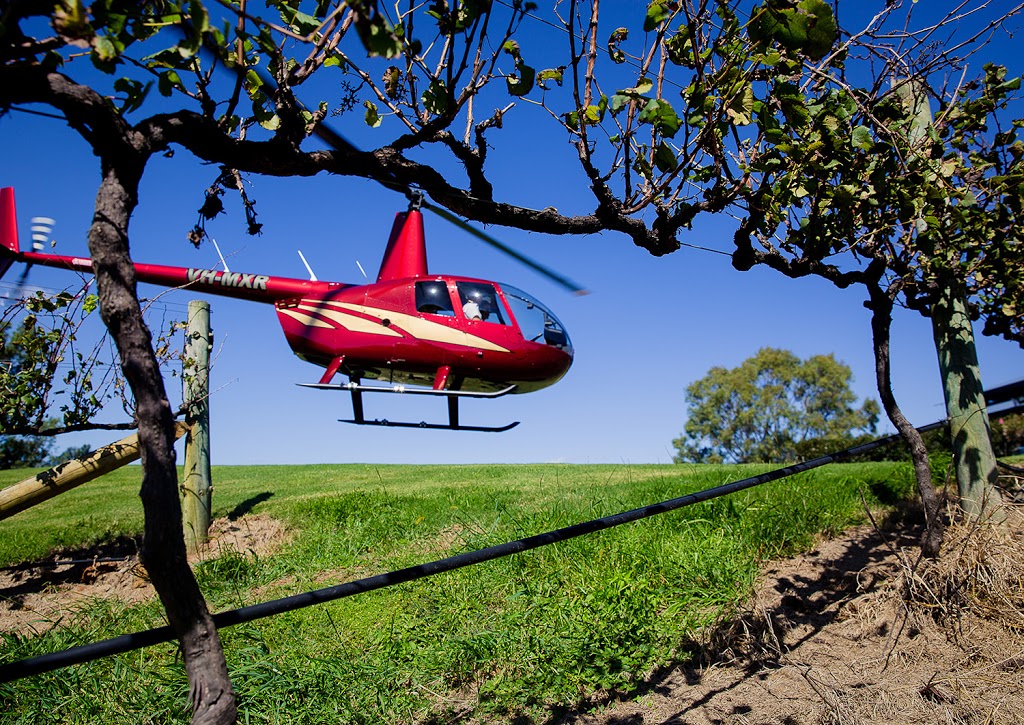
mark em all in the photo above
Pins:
pixel 650 327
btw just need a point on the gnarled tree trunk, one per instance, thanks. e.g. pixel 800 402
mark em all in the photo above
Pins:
pixel 163 552
pixel 881 324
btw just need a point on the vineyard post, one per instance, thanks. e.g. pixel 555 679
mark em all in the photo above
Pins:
pixel 197 490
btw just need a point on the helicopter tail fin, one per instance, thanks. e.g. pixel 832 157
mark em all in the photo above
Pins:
pixel 8 230
pixel 406 254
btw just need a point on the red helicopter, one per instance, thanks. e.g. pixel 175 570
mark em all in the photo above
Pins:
pixel 450 336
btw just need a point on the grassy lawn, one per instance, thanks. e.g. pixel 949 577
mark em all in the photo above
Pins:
pixel 519 636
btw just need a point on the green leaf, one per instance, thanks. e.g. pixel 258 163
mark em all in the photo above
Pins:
pixel 168 81
pixel 741 108
pixel 861 138
pixel 435 98
pixel 379 37
pixel 303 24
pixel 252 83
pixel 809 28
pixel 104 49
pixel 642 87
pixel 523 83
pixel 822 31
pixel 592 115
pixel 551 74
pixel 665 158
pixel 680 49
pixel 657 12
pixel 660 114
pixel 135 93
pixel 643 167
pixel 264 116
pixel 199 17
pixel 372 118
pixel 618 36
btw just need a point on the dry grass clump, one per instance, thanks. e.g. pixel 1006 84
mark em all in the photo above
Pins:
pixel 978 574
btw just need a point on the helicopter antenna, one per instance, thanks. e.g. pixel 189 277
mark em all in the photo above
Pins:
pixel 222 260
pixel 312 277
pixel 362 270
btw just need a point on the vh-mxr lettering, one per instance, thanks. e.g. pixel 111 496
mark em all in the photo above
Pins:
pixel 228 279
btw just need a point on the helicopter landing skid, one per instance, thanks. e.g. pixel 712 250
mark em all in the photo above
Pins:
pixel 453 396
pixel 433 426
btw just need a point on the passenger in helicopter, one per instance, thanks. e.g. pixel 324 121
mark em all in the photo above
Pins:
pixel 472 310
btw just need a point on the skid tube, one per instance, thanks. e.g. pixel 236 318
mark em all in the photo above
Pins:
pixel 452 396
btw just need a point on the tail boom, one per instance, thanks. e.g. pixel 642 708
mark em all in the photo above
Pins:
pixel 255 287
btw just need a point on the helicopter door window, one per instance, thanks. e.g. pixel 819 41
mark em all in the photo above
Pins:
pixel 432 298
pixel 480 302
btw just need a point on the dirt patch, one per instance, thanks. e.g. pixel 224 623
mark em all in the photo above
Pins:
pixel 37 595
pixel 859 631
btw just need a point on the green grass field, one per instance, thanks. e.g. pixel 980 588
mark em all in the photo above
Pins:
pixel 519 637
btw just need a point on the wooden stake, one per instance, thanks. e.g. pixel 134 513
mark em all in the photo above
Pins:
pixel 73 473
pixel 197 490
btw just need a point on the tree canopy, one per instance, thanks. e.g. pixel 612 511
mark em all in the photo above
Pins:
pixel 764 409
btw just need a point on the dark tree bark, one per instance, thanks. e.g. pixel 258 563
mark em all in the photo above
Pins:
pixel 881 323
pixel 163 551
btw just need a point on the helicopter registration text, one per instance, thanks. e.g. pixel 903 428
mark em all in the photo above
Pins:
pixel 228 279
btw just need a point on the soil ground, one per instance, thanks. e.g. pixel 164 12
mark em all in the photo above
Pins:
pixel 855 631
pixel 35 596
pixel 858 631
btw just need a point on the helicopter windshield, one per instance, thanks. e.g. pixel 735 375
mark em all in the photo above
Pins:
pixel 537 322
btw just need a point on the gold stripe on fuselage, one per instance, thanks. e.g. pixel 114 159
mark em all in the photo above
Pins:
pixel 305 319
pixel 418 327
pixel 348 322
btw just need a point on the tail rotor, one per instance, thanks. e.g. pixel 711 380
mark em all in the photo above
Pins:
pixel 42 228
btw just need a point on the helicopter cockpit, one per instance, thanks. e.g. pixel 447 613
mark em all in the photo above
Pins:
pixel 480 301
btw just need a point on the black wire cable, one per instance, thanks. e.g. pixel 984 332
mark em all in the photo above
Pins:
pixel 137 640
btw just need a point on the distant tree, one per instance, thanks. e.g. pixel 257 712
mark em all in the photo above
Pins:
pixel 770 406
pixel 23 451
pixel 69 454
pixel 35 451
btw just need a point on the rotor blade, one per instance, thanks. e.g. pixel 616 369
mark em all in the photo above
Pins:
pixel 484 236
pixel 335 140
pixel 19 286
